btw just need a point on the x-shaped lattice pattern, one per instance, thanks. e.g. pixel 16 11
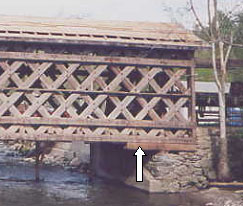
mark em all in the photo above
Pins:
pixel 32 90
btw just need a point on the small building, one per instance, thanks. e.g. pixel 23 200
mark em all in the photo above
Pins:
pixel 208 105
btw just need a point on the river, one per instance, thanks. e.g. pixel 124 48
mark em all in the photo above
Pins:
pixel 65 188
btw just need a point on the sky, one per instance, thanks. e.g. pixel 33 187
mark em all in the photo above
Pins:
pixel 128 10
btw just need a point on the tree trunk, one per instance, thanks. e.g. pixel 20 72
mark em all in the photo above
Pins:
pixel 223 161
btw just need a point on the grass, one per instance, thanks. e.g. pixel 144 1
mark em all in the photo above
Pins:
pixel 206 75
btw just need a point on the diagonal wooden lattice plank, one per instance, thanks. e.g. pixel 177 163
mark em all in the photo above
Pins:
pixel 165 89
pixel 129 85
pixel 84 85
pixel 22 84
pixel 9 70
pixel 173 110
pixel 14 111
pixel 143 83
pixel 113 84
pixel 116 81
pixel 40 69
pixel 15 96
pixel 177 82
pixel 73 97
pixel 47 82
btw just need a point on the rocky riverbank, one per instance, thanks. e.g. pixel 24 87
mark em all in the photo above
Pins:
pixel 57 155
pixel 219 197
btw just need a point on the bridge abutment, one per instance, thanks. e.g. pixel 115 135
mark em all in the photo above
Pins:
pixel 163 171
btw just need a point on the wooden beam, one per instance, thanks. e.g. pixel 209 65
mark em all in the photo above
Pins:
pixel 119 138
pixel 162 146
pixel 164 45
pixel 96 122
pixel 137 61
pixel 86 92
pixel 192 103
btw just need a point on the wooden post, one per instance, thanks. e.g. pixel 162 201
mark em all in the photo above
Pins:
pixel 37 162
pixel 192 104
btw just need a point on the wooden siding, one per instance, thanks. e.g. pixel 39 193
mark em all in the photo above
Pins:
pixel 55 97
pixel 98 92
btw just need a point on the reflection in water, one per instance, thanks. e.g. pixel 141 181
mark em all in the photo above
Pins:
pixel 65 188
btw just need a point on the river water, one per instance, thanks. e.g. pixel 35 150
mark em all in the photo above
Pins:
pixel 66 188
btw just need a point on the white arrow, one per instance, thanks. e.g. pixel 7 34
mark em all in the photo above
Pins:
pixel 139 153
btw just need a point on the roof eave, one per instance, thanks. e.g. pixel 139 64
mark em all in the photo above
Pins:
pixel 189 46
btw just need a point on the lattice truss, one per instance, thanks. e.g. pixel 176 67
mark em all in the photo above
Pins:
pixel 77 101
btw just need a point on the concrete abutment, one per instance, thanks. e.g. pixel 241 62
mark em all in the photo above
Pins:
pixel 166 172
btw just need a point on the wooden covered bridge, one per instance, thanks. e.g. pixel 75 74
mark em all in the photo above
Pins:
pixel 65 80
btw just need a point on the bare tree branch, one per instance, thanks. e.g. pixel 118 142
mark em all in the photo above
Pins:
pixel 210 19
pixel 226 59
pixel 198 19
pixel 214 61
pixel 223 64
pixel 235 45
pixel 216 19
pixel 196 16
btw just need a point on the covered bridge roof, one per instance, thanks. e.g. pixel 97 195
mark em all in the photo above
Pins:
pixel 160 35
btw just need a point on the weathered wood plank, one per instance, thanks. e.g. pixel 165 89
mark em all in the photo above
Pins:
pixel 95 122
pixel 162 146
pixel 176 76
pixel 129 85
pixel 153 44
pixel 8 70
pixel 93 138
pixel 174 110
pixel 23 56
pixel 192 104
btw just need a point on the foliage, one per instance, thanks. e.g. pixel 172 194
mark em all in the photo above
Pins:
pixel 206 75
pixel 228 24
pixel 239 22
pixel 238 51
